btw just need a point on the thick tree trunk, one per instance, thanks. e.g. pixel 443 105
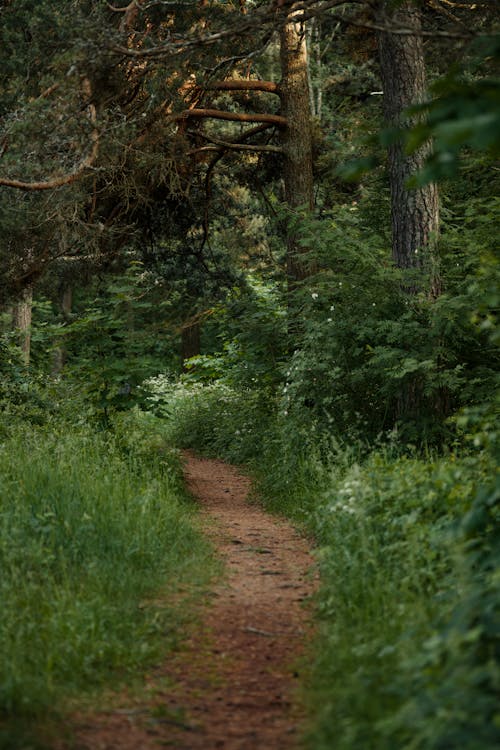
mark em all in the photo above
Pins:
pixel 415 212
pixel 21 321
pixel 297 139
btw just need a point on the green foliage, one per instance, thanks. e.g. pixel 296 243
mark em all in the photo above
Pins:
pixel 394 583
pixel 250 334
pixel 361 334
pixel 212 418
pixel 452 687
pixel 89 532
pixel 463 113
pixel 23 396
pixel 12 368
pixel 115 342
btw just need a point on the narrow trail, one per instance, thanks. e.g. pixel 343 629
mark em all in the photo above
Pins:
pixel 235 678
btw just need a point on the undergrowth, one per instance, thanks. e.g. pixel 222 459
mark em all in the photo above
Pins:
pixel 93 528
pixel 407 651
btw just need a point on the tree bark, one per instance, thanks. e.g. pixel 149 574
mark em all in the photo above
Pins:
pixel 219 114
pixel 296 139
pixel 414 212
pixel 190 342
pixel 244 84
pixel 60 351
pixel 21 321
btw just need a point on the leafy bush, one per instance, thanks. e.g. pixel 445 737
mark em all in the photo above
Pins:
pixel 214 418
pixel 22 396
pixel 364 346
pixel 113 342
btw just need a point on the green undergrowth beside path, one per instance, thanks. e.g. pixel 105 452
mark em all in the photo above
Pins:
pixel 407 653
pixel 96 537
pixel 408 647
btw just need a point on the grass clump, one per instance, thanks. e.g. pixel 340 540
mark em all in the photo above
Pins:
pixel 89 532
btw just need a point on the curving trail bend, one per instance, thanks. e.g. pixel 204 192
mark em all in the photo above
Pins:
pixel 234 680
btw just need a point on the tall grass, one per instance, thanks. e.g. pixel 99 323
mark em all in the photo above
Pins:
pixel 407 654
pixel 88 534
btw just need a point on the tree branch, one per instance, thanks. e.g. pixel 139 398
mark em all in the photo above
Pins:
pixel 234 146
pixel 273 17
pixel 130 12
pixel 218 114
pixel 244 85
pixel 72 176
pixel 389 28
pixel 50 90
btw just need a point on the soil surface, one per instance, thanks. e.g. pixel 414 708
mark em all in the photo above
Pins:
pixel 233 683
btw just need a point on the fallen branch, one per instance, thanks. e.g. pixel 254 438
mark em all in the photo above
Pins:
pixel 268 634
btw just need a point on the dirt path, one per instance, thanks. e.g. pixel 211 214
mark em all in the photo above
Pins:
pixel 235 679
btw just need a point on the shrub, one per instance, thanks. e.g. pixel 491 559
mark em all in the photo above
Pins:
pixel 214 418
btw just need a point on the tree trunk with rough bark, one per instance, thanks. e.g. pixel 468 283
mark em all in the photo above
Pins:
pixel 60 351
pixel 296 139
pixel 190 342
pixel 21 321
pixel 415 212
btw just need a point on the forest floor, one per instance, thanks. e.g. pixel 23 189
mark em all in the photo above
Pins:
pixel 233 683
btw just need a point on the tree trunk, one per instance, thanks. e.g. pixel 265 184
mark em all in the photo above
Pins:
pixel 314 54
pixel 415 212
pixel 21 321
pixel 297 139
pixel 190 342
pixel 60 351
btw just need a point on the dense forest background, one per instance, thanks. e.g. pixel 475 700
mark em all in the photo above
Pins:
pixel 267 231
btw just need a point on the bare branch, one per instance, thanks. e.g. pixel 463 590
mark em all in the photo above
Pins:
pixel 243 84
pixel 49 91
pixel 236 146
pixel 229 61
pixel 218 114
pixel 130 12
